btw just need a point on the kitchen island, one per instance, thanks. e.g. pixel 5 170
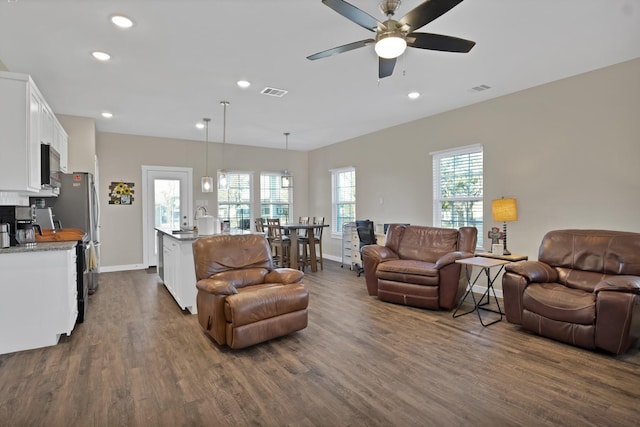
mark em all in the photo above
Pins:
pixel 176 267
pixel 38 295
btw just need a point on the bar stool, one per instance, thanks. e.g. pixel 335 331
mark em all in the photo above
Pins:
pixel 317 236
pixel 280 244
pixel 303 242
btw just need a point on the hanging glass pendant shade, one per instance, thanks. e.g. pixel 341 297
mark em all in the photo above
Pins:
pixel 207 181
pixel 286 178
pixel 223 181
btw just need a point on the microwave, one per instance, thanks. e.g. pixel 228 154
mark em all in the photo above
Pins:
pixel 49 167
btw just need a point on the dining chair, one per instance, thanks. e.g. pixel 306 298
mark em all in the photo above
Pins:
pixel 317 236
pixel 303 244
pixel 280 244
pixel 259 222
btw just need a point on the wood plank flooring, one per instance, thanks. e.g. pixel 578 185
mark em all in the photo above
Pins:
pixel 138 360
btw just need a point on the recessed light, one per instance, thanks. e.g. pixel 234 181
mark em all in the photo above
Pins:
pixel 200 125
pixel 107 115
pixel 101 56
pixel 414 95
pixel 122 21
pixel 243 84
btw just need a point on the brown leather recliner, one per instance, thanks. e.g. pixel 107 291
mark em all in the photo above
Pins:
pixel 242 299
pixel 583 290
pixel 417 267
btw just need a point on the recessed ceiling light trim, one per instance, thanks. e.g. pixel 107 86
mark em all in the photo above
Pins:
pixel 243 84
pixel 121 21
pixel 106 114
pixel 101 56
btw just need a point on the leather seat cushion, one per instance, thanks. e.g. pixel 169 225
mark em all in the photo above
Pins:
pixel 557 302
pixel 408 271
pixel 255 303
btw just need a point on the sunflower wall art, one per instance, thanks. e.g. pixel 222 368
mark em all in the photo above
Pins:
pixel 121 193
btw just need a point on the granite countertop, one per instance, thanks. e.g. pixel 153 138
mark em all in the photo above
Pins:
pixel 40 247
pixel 182 236
pixel 185 236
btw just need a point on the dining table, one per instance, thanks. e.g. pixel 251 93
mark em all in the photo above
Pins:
pixel 292 230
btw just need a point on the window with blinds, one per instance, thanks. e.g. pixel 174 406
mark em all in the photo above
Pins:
pixel 458 188
pixel 275 201
pixel 234 203
pixel 343 184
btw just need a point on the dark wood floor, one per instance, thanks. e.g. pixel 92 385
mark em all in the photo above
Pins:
pixel 138 360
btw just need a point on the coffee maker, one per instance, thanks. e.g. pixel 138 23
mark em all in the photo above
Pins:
pixel 25 220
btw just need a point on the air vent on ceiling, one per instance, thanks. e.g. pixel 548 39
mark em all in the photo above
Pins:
pixel 274 92
pixel 479 88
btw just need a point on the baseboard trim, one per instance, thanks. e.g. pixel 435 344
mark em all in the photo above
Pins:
pixel 113 268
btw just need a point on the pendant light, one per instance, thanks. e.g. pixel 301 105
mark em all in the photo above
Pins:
pixel 286 179
pixel 207 181
pixel 223 181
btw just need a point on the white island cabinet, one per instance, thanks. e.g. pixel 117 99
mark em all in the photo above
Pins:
pixel 38 295
pixel 176 268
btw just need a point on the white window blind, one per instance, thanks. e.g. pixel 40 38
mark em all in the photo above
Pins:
pixel 458 188
pixel 234 203
pixel 343 194
pixel 275 201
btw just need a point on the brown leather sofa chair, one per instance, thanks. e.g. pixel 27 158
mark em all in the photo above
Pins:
pixel 417 267
pixel 242 299
pixel 583 290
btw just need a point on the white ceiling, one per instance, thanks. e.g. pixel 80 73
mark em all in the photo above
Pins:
pixel 183 57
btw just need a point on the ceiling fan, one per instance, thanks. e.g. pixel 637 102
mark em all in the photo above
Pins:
pixel 392 37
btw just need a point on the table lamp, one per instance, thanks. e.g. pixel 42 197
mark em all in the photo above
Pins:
pixel 504 210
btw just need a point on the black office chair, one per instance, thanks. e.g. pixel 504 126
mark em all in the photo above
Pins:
pixel 367 236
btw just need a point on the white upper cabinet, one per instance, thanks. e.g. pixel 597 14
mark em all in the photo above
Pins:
pixel 61 144
pixel 26 121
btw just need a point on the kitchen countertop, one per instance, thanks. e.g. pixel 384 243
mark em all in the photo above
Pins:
pixel 186 236
pixel 40 247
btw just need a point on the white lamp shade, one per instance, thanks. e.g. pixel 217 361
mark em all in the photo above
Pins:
pixel 390 47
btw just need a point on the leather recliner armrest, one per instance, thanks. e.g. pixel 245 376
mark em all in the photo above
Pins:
pixel 619 284
pixel 216 287
pixel 451 257
pixel 379 253
pixel 533 271
pixel 284 275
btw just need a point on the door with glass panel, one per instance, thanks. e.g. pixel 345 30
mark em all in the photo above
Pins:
pixel 167 205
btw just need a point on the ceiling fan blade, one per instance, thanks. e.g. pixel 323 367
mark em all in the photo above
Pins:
pixel 340 49
pixel 439 42
pixel 353 14
pixel 385 67
pixel 427 12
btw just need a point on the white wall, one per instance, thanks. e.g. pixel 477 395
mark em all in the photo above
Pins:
pixel 82 142
pixel 120 158
pixel 569 151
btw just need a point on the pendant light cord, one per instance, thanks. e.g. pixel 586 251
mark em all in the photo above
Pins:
pixel 224 129
pixel 286 153
pixel 206 164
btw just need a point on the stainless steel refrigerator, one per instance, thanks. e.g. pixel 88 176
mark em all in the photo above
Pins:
pixel 77 207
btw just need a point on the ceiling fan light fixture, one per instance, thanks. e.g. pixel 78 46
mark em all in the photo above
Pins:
pixel 390 45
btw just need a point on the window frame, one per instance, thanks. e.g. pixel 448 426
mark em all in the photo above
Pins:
pixel 336 228
pixel 289 204
pixel 248 203
pixel 438 200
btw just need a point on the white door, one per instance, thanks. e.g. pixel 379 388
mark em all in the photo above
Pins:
pixel 166 203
